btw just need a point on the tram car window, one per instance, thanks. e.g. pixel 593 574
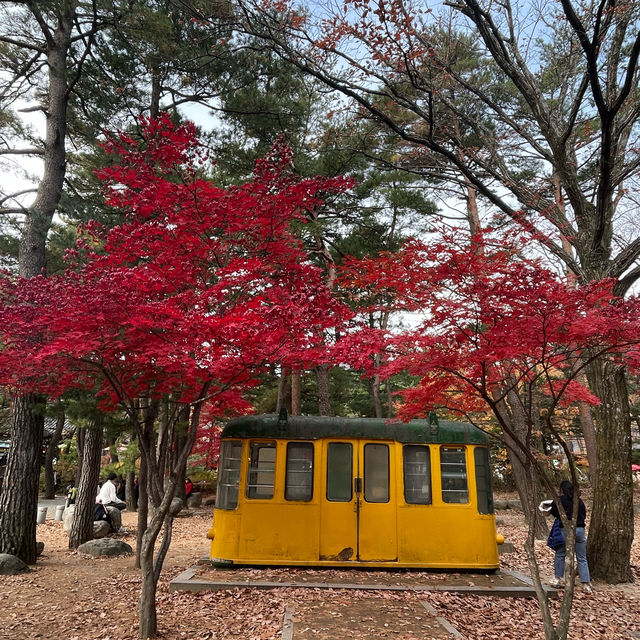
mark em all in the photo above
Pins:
pixel 299 480
pixel 417 474
pixel 454 474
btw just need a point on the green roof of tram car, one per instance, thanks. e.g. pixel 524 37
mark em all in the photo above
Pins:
pixel 315 427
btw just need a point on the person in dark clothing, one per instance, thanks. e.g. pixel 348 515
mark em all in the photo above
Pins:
pixel 566 499
pixel 136 491
pixel 121 488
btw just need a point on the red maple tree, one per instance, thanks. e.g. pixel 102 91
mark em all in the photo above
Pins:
pixel 198 284
pixel 490 328
pixel 188 299
pixel 482 319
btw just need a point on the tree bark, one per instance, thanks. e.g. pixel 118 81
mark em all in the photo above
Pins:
pixel 296 392
pixel 147 603
pixel 82 524
pixel 374 390
pixel 50 455
pixel 589 433
pixel 324 393
pixel 284 399
pixel 17 513
pixel 81 436
pixel 161 492
pixel 130 491
pixel 19 497
pixel 143 510
pixel 611 530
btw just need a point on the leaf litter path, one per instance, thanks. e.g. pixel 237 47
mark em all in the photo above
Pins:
pixel 352 603
pixel 365 618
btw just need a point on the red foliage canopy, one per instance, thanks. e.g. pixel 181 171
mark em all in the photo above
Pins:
pixel 198 284
pixel 487 319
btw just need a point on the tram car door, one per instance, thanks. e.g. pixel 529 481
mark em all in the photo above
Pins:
pixel 358 502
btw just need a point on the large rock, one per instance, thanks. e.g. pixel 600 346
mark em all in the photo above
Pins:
pixel 114 514
pixel 11 565
pixel 194 500
pixel 67 517
pixel 101 529
pixel 105 547
pixel 116 518
pixel 505 547
pixel 209 501
pixel 506 504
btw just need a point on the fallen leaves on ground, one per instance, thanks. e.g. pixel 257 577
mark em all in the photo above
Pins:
pixel 68 596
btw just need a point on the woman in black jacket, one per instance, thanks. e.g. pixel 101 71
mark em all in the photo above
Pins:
pixel 566 499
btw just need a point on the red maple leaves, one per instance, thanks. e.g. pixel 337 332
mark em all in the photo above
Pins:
pixel 201 284
pixel 198 283
pixel 483 322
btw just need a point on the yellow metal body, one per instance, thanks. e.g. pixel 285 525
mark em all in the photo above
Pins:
pixel 355 532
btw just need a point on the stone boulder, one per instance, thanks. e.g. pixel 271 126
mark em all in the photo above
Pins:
pixel 11 565
pixel 101 529
pixel 105 547
pixel 209 501
pixel 67 517
pixel 116 518
pixel 506 504
pixel 194 500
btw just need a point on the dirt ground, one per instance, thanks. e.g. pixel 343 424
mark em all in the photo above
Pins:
pixel 68 596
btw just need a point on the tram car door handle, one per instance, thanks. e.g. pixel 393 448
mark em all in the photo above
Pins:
pixel 357 485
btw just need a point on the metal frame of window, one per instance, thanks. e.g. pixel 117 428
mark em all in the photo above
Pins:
pixel 483 480
pixel 416 474
pixel 453 473
pixel 299 471
pixel 261 470
pixel 376 473
pixel 229 474
pixel 339 469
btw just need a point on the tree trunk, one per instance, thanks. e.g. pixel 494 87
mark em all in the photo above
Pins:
pixel 81 436
pixel 588 428
pixel 324 394
pixel 50 455
pixel 296 392
pixel 19 497
pixel 589 433
pixel 130 491
pixel 147 602
pixel 82 524
pixel 143 510
pixel 527 486
pixel 374 390
pixel 611 530
pixel 284 391
pixel 161 492
pixel 179 439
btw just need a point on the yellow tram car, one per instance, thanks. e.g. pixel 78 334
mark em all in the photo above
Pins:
pixel 319 491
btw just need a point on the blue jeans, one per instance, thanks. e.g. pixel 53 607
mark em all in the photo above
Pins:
pixel 581 556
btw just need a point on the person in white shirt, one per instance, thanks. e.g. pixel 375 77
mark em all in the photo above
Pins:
pixel 107 494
